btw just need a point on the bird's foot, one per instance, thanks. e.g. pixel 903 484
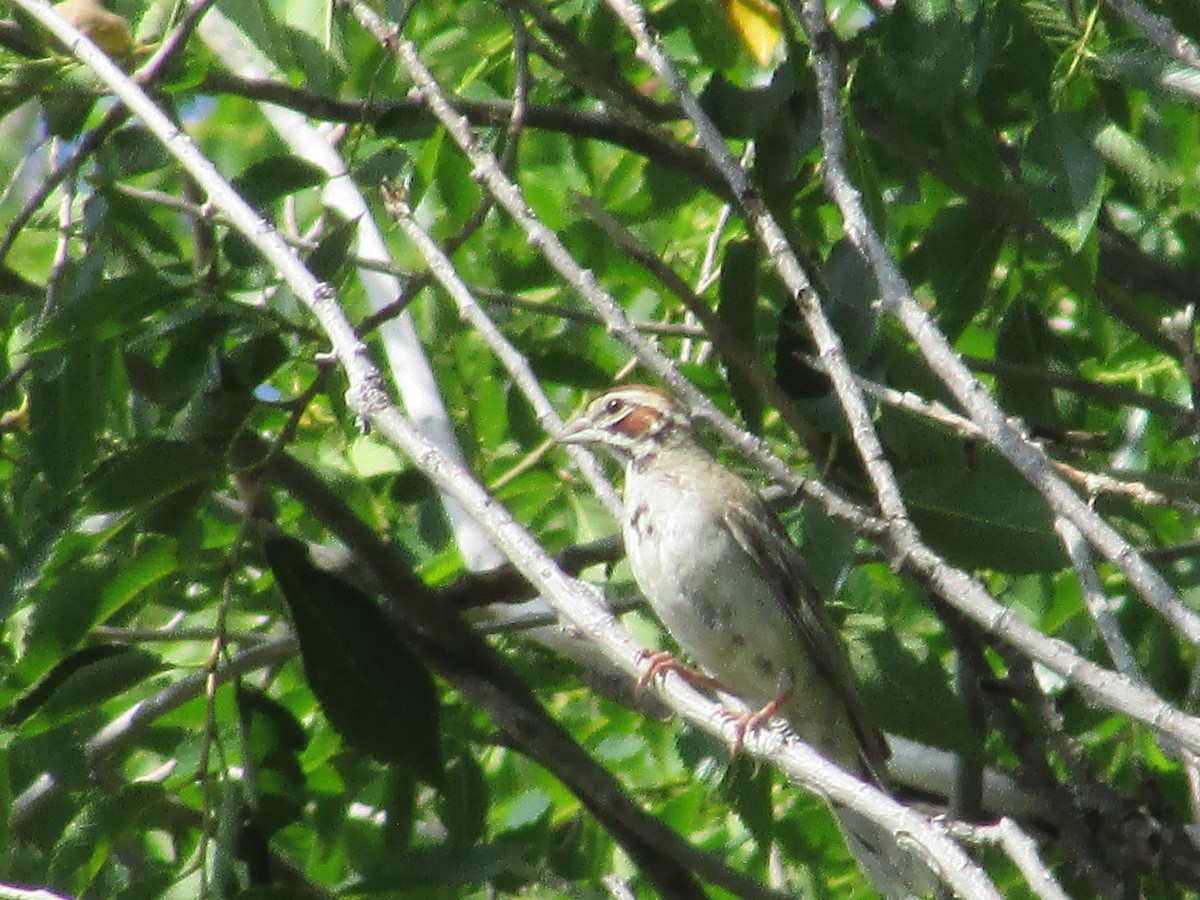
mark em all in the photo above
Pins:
pixel 664 661
pixel 746 722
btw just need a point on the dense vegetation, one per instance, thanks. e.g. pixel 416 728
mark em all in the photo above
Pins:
pixel 929 269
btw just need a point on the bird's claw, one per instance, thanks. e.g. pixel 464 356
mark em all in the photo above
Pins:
pixel 664 661
pixel 746 722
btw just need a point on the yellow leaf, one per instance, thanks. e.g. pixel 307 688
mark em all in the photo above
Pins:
pixel 759 25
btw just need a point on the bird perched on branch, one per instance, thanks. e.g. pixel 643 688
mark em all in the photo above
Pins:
pixel 721 573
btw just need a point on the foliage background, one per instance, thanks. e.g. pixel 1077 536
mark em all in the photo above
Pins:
pixel 172 413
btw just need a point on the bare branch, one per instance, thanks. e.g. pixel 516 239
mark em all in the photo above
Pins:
pixel 1003 434
pixel 1159 30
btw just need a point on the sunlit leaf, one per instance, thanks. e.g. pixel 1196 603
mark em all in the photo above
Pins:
pixel 758 23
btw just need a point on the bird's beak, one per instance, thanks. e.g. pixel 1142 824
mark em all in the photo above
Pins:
pixel 577 431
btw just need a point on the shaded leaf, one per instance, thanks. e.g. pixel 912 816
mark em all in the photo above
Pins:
pixel 371 687
pixel 907 695
pixel 85 595
pixel 934 53
pixel 1064 177
pixel 1024 338
pixel 463 800
pixel 70 396
pixel 268 180
pixel 332 254
pixel 273 741
pixel 737 308
pixel 147 472
pixel 746 112
pixel 748 788
pixel 107 308
pixel 213 415
pixel 429 867
pixel 956 259
pixel 983 515
pixel 84 680
pixel 89 838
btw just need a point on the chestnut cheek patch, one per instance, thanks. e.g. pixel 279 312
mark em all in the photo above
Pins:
pixel 639 422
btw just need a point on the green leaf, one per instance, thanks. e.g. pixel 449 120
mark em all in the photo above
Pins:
pixel 372 689
pixel 1127 154
pixel 956 259
pixel 432 867
pixel 332 254
pixel 147 472
pixel 906 694
pixel 280 892
pixel 268 180
pixel 463 800
pixel 737 308
pixel 457 190
pixel 66 109
pixel 273 741
pixel 70 395
pixel 214 414
pixel 1141 64
pixel 934 53
pixel 85 595
pixel 1024 338
pixel 107 308
pixel 133 223
pixel 745 112
pixel 81 682
pixel 792 344
pixel 564 366
pixel 89 839
pixel 828 546
pixel 22 83
pixel 983 514
pixel 849 298
pixel 748 788
pixel 851 295
pixel 1064 177
pixel 133 150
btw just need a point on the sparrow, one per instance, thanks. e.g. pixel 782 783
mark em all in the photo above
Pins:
pixel 726 581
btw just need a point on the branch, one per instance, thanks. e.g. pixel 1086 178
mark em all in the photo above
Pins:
pixel 513 361
pixel 655 145
pixel 368 398
pixel 116 115
pixel 410 369
pixel 458 653
pixel 1028 458
pixel 1021 849
pixel 798 760
pixel 958 588
pixel 1159 30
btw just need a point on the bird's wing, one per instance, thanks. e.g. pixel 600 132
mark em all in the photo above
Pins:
pixel 760 533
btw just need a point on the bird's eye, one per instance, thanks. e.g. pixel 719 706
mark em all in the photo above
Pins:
pixel 614 404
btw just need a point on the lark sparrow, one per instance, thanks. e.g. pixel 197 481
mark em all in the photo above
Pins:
pixel 721 573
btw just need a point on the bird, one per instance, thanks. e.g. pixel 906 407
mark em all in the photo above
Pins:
pixel 728 584
pixel 107 30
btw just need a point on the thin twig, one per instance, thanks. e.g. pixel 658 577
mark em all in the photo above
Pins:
pixel 1097 602
pixel 927 567
pixel 1028 458
pixel 171 46
pixel 1159 30
pixel 512 359
pixel 1021 849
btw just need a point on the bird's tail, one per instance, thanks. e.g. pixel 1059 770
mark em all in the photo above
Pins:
pixel 896 872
